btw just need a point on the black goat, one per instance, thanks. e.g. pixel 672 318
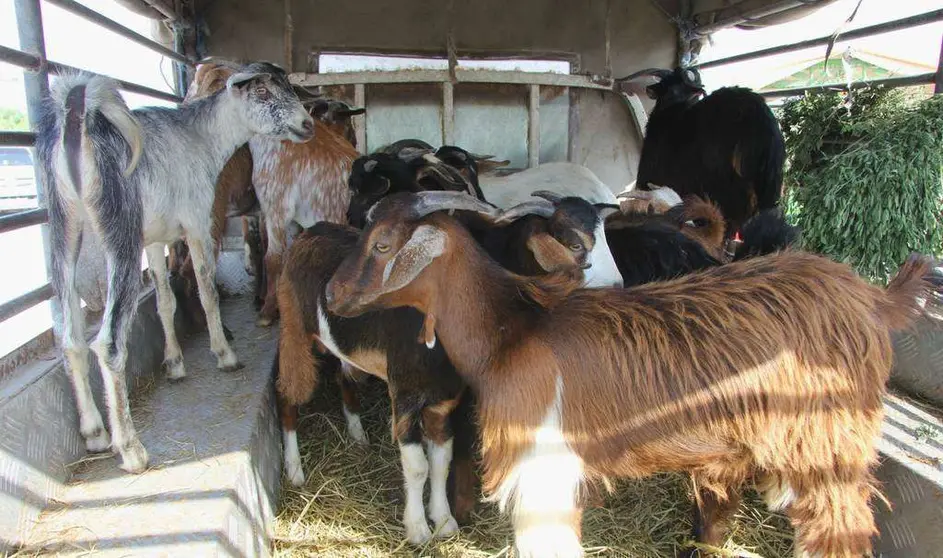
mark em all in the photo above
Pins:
pixel 726 147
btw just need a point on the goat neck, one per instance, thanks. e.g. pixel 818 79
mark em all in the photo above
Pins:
pixel 220 123
pixel 480 308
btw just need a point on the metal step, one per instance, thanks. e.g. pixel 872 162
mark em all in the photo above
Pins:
pixel 214 450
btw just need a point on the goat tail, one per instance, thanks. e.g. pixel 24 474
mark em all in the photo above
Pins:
pixel 79 96
pixel 916 289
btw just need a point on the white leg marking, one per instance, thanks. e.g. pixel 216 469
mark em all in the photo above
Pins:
pixel 540 492
pixel 166 306
pixel 355 428
pixel 415 471
pixel 777 493
pixel 205 267
pixel 440 457
pixel 293 470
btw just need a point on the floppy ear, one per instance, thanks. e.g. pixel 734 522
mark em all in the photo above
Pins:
pixel 426 244
pixel 242 79
pixel 550 254
pixel 350 112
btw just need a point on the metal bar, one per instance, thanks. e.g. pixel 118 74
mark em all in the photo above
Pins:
pixel 360 124
pixel 737 14
pixel 448 113
pixel 533 127
pixel 938 88
pixel 17 139
pixel 115 27
pixel 29 24
pixel 125 85
pixel 25 302
pixel 890 82
pixel 22 219
pixel 886 27
pixel 34 64
pixel 442 76
pixel 19 58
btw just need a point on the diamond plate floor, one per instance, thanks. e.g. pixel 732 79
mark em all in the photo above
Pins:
pixel 214 464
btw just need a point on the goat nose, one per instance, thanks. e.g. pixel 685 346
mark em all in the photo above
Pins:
pixel 308 125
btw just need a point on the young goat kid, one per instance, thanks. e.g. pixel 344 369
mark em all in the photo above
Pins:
pixel 769 369
pixel 143 179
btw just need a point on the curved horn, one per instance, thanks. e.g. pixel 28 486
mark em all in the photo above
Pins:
pixel 541 208
pixel 437 200
pixel 552 197
pixel 660 73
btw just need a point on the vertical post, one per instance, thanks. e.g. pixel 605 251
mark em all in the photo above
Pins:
pixel 360 124
pixel 448 113
pixel 180 70
pixel 289 37
pixel 573 126
pixel 938 87
pixel 533 127
pixel 29 24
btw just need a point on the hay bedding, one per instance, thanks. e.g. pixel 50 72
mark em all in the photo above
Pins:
pixel 351 503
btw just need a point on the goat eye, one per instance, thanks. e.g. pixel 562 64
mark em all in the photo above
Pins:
pixel 262 92
pixel 382 248
pixel 576 247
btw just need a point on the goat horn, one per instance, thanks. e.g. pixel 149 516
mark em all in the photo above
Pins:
pixel 221 62
pixel 541 208
pixel 552 197
pixel 657 72
pixel 437 200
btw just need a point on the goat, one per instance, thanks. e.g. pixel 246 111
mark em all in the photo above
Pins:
pixel 771 368
pixel 143 178
pixel 299 183
pixel 424 387
pixel 726 147
pixel 337 116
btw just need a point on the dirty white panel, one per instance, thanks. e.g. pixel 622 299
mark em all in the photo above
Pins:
pixel 492 119
pixel 554 123
pixel 607 142
pixel 396 112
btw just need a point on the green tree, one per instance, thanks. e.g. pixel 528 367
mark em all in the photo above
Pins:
pixel 13 120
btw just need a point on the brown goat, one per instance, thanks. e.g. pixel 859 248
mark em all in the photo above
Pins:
pixel 771 369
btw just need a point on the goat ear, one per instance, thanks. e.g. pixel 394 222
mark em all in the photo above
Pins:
pixel 242 79
pixel 426 244
pixel 550 254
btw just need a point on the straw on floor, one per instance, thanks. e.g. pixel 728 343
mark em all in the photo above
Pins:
pixel 351 503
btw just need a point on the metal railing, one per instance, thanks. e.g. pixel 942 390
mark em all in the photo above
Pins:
pixel 886 27
pixel 32 58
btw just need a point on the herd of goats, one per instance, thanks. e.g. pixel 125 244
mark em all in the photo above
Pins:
pixel 567 335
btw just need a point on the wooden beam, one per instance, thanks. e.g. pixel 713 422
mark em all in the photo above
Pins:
pixel 533 127
pixel 360 124
pixel 448 113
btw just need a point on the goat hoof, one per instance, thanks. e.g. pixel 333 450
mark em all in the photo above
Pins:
pixel 446 528
pixel 296 476
pixel 98 442
pixel 232 367
pixel 175 370
pixel 418 532
pixel 134 457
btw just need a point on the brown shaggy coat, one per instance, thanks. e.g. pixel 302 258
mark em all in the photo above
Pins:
pixel 772 369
